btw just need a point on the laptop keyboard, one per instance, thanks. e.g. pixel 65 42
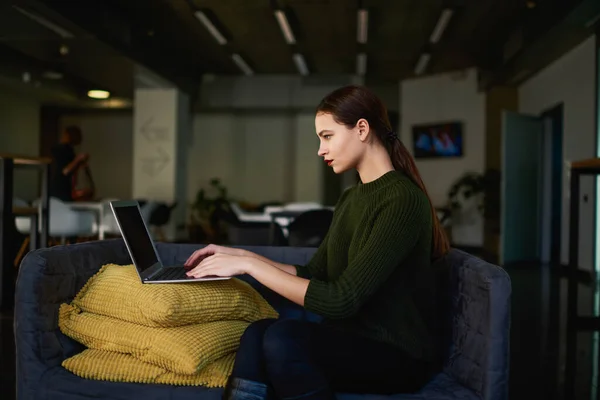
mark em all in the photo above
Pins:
pixel 171 273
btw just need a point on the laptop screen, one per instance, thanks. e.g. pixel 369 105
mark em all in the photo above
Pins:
pixel 135 234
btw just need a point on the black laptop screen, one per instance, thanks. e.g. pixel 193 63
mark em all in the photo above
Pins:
pixel 135 233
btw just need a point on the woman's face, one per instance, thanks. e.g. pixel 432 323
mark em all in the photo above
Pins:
pixel 341 148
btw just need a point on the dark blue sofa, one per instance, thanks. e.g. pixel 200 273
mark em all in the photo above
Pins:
pixel 476 294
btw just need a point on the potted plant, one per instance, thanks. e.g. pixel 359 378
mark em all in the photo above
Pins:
pixel 472 198
pixel 206 212
pixel 482 190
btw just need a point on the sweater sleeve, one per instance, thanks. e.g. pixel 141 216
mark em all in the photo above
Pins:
pixel 394 233
pixel 317 265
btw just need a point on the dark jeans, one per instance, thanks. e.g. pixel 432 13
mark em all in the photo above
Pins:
pixel 313 361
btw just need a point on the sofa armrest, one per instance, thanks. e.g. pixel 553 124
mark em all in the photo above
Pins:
pixel 47 278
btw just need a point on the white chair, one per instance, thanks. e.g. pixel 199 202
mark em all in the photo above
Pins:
pixel 109 223
pixel 246 216
pixel 64 222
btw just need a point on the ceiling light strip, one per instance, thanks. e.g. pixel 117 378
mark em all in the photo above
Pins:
pixel 422 63
pixel 210 27
pixel 441 25
pixel 300 64
pixel 242 65
pixel 59 30
pixel 361 64
pixel 284 25
pixel 362 32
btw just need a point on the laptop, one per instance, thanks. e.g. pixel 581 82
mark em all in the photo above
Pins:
pixel 143 251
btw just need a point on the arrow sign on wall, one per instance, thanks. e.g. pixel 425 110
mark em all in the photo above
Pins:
pixel 154 133
pixel 153 166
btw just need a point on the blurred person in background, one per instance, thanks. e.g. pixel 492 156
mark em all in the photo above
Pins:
pixel 66 165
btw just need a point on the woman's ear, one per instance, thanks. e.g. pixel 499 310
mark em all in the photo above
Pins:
pixel 363 129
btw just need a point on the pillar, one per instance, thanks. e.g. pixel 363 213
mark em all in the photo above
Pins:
pixel 162 134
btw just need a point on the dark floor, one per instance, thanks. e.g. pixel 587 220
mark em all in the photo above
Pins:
pixel 537 338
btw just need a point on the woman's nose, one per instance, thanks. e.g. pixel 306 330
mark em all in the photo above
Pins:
pixel 322 151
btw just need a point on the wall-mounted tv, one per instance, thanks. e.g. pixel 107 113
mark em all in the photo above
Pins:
pixel 442 140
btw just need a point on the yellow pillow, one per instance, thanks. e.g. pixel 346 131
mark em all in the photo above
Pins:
pixel 116 291
pixel 182 350
pixel 109 366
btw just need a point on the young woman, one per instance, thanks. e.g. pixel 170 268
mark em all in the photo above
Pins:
pixel 370 279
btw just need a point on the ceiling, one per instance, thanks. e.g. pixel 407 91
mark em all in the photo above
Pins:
pixel 102 41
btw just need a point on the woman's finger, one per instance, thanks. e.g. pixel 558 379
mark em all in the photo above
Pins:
pixel 207 262
pixel 202 273
pixel 192 259
pixel 197 256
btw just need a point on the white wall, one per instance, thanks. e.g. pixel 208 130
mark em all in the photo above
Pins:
pixel 269 91
pixel 308 170
pixel 19 134
pixel 445 98
pixel 257 134
pixel 258 156
pixel 108 138
pixel 570 81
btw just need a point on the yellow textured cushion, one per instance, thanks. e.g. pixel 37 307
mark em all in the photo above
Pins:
pixel 109 366
pixel 182 350
pixel 116 291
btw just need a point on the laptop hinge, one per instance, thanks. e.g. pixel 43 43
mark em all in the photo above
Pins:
pixel 152 271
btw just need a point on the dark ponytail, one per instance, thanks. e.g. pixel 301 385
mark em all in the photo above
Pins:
pixel 349 104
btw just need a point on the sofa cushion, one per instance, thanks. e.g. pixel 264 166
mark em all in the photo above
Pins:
pixel 115 367
pixel 116 291
pixel 184 349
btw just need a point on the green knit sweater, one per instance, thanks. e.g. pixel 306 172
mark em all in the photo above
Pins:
pixel 372 273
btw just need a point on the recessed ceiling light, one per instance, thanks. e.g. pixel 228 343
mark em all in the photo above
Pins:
pixel 98 94
pixel 210 27
pixel 362 32
pixel 300 64
pixel 242 64
pixel 441 25
pixel 53 75
pixel 284 25
pixel 63 50
pixel 422 63
pixel 361 64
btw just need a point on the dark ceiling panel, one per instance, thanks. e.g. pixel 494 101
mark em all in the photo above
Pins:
pixel 254 33
pixel 326 33
pixel 171 26
pixel 111 36
pixel 89 62
pixel 398 33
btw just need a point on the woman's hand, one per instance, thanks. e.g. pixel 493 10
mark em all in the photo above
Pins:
pixel 221 264
pixel 275 278
pixel 212 249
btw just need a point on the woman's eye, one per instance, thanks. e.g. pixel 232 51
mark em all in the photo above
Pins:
pixel 326 136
